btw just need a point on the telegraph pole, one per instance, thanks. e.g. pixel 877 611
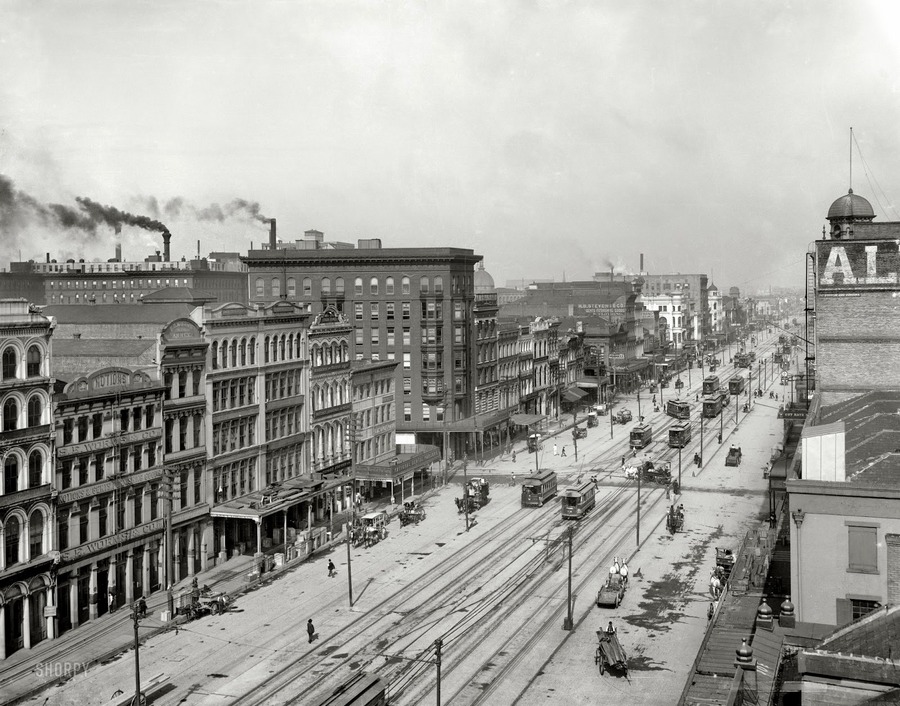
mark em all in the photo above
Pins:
pixel 352 519
pixel 169 492
pixel 138 697
pixel 437 661
pixel 568 624
pixel 466 488
pixel 575 430
pixel 640 472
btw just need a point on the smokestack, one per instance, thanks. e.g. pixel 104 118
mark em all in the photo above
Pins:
pixel 167 236
pixel 48 257
pixel 273 244
pixel 612 273
pixel 118 252
pixel 642 262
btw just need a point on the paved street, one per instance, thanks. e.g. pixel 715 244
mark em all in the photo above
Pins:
pixel 497 593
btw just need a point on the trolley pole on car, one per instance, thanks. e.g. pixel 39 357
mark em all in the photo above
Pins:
pixel 568 624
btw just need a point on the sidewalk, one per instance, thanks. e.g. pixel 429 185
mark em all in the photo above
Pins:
pixel 26 673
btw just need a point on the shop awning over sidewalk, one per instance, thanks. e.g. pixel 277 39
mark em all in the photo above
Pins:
pixel 526 420
pixel 275 498
pixel 592 383
pixel 631 366
pixel 573 394
pixel 411 459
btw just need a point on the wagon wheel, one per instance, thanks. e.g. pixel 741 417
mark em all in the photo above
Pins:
pixel 602 664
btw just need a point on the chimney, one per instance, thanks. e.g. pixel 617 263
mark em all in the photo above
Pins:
pixel 642 262
pixel 48 257
pixel 118 252
pixel 273 244
pixel 167 236
pixel 612 273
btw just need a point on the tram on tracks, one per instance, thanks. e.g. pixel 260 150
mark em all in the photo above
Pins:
pixel 538 488
pixel 710 385
pixel 640 436
pixel 578 500
pixel 736 385
pixel 679 409
pixel 680 435
pixel 360 690
pixel 712 405
pixel 742 360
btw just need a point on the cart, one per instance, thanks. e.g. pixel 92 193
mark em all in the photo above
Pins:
pixel 611 593
pixel 724 563
pixel 610 653
pixel 675 519
pixel 624 416
pixel 734 456
pixel 579 432
pixel 413 513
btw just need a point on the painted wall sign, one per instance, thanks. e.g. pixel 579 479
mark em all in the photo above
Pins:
pixel 181 330
pixel 860 264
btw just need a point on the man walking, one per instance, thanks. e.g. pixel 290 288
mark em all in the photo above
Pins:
pixel 554 450
pixel 563 451
pixel 332 572
pixel 311 631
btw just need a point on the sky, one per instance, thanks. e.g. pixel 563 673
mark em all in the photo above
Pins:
pixel 555 139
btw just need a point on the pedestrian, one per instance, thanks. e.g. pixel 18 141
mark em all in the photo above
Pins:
pixel 111 601
pixel 623 462
pixel 223 603
pixel 142 607
pixel 332 572
pixel 514 458
pixel 610 629
pixel 554 450
pixel 358 498
pixel 697 397
pixel 634 453
pixel 310 630
pixel 563 451
pixel 512 478
pixel 710 611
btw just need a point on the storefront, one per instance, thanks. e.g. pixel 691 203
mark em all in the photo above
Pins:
pixel 407 474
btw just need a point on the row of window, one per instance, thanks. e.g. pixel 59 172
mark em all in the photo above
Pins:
pixel 86 427
pixel 24 538
pixel 237 392
pixel 283 464
pixel 236 479
pixel 233 353
pixel 91 468
pixel 426 285
pixel 234 434
pixel 332 394
pixel 11 360
pixel 34 412
pixel 369 449
pixel 283 384
pixel 329 354
pixel 183 433
pixel 184 383
pixel 137 283
pixel 282 423
pixel 376 388
pixel 14 478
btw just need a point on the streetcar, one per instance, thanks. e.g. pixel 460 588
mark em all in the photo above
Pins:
pixel 736 385
pixel 360 690
pixel 680 409
pixel 538 488
pixel 680 435
pixel 712 405
pixel 640 436
pixel 742 360
pixel 710 385
pixel 578 500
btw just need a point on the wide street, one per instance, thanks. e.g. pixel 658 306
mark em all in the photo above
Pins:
pixel 495 595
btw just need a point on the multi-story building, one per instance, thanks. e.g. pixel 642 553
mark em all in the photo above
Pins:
pixel 414 305
pixel 695 287
pixel 259 435
pixel 182 352
pixel 845 504
pixel 487 391
pixel 117 282
pixel 27 516
pixel 675 317
pixel 110 506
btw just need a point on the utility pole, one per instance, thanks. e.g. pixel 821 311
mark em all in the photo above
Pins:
pixel 466 489
pixel 640 472
pixel 138 697
pixel 679 467
pixel 575 429
pixel 437 660
pixel 169 492
pixel 352 519
pixel 701 436
pixel 447 398
pixel 568 624
pixel 639 402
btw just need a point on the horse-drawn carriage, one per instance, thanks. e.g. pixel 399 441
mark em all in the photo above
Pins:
pixel 369 529
pixel 412 513
pixel 609 652
pixel 734 456
pixel 675 519
pixel 476 493
pixel 724 562
pixel 611 593
pixel 579 432
pixel 623 416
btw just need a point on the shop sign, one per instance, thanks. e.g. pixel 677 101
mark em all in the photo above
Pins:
pixel 849 265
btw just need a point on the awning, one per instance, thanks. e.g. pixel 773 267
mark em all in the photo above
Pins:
pixel 526 420
pixel 573 394
pixel 592 383
pixel 406 463
pixel 631 366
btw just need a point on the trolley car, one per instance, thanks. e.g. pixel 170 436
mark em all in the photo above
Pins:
pixel 712 406
pixel 736 385
pixel 680 435
pixel 640 436
pixel 680 409
pixel 360 690
pixel 578 500
pixel 710 385
pixel 538 488
pixel 742 360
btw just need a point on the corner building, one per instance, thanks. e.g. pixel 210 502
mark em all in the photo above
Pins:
pixel 412 305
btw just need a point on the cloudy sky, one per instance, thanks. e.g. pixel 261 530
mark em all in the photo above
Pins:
pixel 553 138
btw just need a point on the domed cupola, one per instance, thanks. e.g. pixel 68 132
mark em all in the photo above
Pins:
pixel 847 210
pixel 484 283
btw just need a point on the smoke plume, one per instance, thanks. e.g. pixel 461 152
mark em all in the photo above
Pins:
pixel 179 207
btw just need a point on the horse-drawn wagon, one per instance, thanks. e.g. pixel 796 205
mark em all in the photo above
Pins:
pixel 611 593
pixel 609 652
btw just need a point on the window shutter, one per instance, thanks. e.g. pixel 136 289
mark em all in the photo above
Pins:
pixel 844 611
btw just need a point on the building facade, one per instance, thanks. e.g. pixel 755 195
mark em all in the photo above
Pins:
pixel 28 564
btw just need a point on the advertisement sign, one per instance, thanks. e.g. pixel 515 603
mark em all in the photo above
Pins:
pixel 848 266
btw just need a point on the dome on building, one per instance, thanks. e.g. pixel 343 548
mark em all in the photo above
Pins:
pixel 484 283
pixel 850 206
pixel 712 288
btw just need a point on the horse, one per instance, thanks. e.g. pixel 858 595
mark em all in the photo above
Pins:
pixel 715 586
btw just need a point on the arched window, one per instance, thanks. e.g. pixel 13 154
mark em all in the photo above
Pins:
pixel 35 469
pixel 307 287
pixel 243 350
pixel 252 351
pixel 266 350
pixel 260 287
pixel 281 348
pixel 10 415
pixel 291 287
pixel 215 355
pixel 12 531
pixel 373 285
pixel 358 286
pixel 232 348
pixel 339 285
pixel 404 285
pixel 33 362
pixel 35 534
pixel 423 285
pixel 389 285
pixel 276 287
pixel 10 362
pixel 35 411
pixel 326 285
pixel 10 475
